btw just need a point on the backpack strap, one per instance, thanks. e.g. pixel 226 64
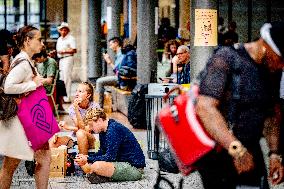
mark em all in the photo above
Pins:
pixel 19 60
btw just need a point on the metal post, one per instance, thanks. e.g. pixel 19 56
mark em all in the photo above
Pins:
pixel 5 13
pixel 201 48
pixel 25 12
pixel 65 11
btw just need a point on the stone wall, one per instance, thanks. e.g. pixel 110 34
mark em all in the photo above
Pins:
pixel 77 19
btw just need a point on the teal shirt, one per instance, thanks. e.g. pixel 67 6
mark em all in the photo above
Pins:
pixel 47 69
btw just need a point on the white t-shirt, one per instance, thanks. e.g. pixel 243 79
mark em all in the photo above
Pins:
pixel 65 43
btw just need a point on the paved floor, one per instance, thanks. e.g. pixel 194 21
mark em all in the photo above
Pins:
pixel 22 180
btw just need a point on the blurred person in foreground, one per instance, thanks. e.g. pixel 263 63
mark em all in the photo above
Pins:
pixel 236 122
pixel 22 79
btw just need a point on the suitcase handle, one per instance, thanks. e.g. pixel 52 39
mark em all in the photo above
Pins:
pixel 175 88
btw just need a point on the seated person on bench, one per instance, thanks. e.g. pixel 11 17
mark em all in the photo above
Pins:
pixel 127 73
pixel 115 44
pixel 120 157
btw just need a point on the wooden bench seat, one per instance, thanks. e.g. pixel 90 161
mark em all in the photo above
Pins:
pixel 120 99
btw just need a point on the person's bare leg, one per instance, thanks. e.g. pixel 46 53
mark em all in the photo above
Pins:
pixel 85 140
pixel 91 140
pixel 103 168
pixel 43 158
pixel 9 166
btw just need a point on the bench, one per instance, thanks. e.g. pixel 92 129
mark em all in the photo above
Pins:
pixel 120 99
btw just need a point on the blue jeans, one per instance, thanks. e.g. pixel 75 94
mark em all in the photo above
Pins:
pixel 101 83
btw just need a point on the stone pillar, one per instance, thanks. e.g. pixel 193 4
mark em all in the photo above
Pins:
pixel 200 52
pixel 114 9
pixel 94 40
pixel 184 18
pixel 74 21
pixel 146 41
pixel 133 20
pixel 83 69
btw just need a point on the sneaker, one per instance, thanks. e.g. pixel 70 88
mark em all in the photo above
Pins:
pixel 62 112
pixel 66 100
pixel 93 178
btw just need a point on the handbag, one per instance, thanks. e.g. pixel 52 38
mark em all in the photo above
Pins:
pixel 8 105
pixel 184 132
pixel 37 118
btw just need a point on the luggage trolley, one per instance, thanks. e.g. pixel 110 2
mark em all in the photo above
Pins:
pixel 154 103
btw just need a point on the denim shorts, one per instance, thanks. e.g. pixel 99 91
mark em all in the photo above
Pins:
pixel 125 172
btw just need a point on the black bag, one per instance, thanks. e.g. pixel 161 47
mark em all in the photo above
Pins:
pixel 30 167
pixel 8 106
pixel 127 71
pixel 136 107
pixel 60 88
pixel 167 162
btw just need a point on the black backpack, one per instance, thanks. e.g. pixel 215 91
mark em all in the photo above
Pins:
pixel 136 107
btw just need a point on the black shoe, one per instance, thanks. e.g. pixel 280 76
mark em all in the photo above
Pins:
pixel 96 179
pixel 30 167
pixel 62 112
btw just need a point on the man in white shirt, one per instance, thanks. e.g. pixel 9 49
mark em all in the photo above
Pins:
pixel 66 48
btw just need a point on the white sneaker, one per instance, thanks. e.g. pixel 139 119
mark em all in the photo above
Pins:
pixel 66 99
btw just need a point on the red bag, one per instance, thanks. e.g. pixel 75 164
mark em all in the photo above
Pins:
pixel 184 131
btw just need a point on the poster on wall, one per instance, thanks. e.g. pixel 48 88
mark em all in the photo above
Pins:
pixel 109 15
pixel 205 27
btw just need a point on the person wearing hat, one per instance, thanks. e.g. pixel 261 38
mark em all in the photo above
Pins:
pixel 66 48
pixel 239 94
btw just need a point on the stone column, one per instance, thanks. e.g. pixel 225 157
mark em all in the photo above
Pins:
pixel 94 40
pixel 114 9
pixel 201 53
pixel 146 41
pixel 133 20
pixel 184 18
pixel 83 69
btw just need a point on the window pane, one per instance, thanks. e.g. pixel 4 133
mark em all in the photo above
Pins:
pixel 2 7
pixel 33 6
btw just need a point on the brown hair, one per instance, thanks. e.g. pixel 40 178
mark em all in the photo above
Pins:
pixel 94 114
pixel 90 90
pixel 167 49
pixel 24 33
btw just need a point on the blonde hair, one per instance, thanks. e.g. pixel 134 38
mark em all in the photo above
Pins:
pixel 94 114
pixel 90 90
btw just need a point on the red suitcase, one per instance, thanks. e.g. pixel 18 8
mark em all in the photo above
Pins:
pixel 184 132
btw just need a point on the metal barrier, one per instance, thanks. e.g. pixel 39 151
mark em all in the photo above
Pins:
pixel 155 140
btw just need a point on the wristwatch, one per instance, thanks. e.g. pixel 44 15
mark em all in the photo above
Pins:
pixel 276 156
pixel 236 149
